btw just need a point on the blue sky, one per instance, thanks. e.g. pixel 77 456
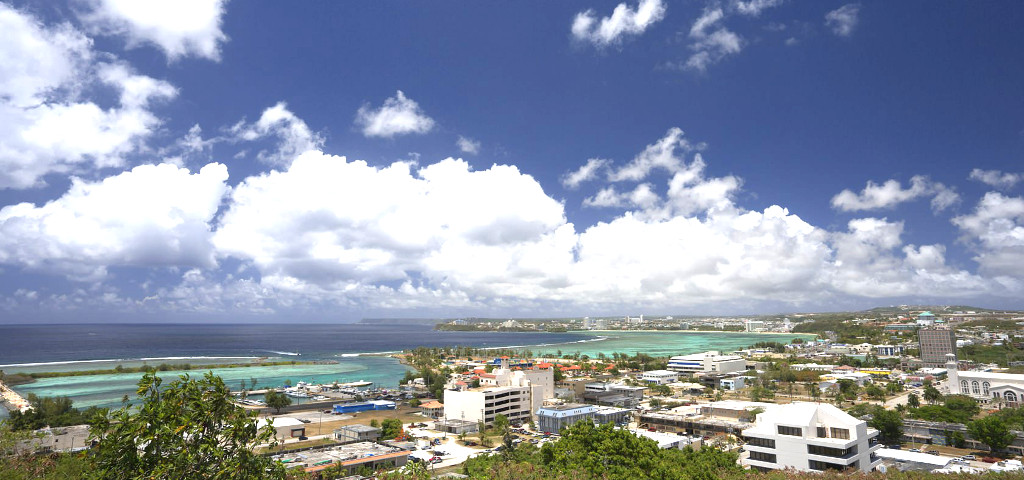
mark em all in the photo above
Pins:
pixel 210 160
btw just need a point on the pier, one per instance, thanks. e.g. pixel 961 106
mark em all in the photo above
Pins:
pixel 13 399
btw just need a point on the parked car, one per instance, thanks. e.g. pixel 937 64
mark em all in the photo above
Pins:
pixel 915 450
pixel 969 457
pixel 990 459
pixel 303 438
pixel 933 452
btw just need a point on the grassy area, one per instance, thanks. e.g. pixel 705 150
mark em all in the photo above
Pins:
pixel 1001 354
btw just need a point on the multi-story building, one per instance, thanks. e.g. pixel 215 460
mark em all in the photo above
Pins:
pixel 515 394
pixel 935 343
pixel 707 362
pixel 811 437
pixel 659 377
pixel 613 394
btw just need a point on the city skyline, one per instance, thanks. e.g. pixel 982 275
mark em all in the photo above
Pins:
pixel 208 161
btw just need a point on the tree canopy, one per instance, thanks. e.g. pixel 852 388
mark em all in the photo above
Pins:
pixel 189 428
pixel 991 431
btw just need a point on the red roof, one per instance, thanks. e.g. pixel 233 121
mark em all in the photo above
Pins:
pixel 545 365
pixel 432 404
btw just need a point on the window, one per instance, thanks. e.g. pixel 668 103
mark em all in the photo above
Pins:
pixel 761 442
pixel 984 388
pixel 816 465
pixel 831 452
pixel 762 457
pixel 1008 395
pixel 974 388
pixel 795 431
pixel 821 432
pixel 963 386
pixel 840 433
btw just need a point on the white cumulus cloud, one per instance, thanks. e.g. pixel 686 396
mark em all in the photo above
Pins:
pixel 710 45
pixel 844 19
pixel 178 27
pixel 996 178
pixel 329 222
pixel 468 145
pixel 293 135
pixel 891 193
pixel 398 116
pixel 47 126
pixel 996 231
pixel 153 215
pixel 623 22
pixel 586 172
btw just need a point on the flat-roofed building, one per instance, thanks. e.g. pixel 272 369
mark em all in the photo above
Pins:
pixel 357 433
pixel 659 377
pixel 707 362
pixel 811 437
pixel 556 417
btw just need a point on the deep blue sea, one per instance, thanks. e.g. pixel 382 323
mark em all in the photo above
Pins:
pixel 20 344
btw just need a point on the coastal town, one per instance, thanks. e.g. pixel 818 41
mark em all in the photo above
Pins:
pixel 807 405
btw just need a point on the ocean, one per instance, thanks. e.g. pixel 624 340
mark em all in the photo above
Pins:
pixel 37 348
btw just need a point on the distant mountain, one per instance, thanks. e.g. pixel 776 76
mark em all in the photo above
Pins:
pixel 933 308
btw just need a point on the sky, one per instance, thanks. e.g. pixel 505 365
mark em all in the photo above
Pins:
pixel 209 160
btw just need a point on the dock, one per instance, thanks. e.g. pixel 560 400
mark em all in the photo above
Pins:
pixel 13 399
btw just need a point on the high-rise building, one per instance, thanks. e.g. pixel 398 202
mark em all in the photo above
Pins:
pixel 935 343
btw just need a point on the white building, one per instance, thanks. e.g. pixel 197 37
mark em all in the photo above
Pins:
pixel 811 437
pixel 1007 388
pixel 888 350
pixel 754 325
pixel 515 394
pixel 707 362
pixel 587 323
pixel 659 377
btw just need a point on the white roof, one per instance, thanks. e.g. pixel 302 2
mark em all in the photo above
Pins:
pixel 916 457
pixel 1009 377
pixel 662 372
pixel 802 414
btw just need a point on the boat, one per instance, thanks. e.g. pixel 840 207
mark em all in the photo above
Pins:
pixel 361 383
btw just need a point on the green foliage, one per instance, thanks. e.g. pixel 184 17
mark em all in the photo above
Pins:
pixel 999 354
pixel 390 428
pixel 586 451
pixel 875 392
pixel 414 402
pixel 374 423
pixel 991 431
pixel 889 425
pixel 277 400
pixel 774 346
pixel 913 401
pixel 931 394
pixel 955 409
pixel 501 424
pixel 50 411
pixel 956 439
pixel 845 331
pixel 189 428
